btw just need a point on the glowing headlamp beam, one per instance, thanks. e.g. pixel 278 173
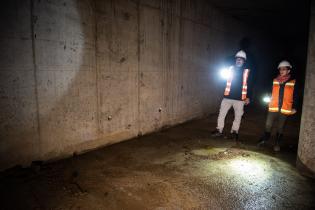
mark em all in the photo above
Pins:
pixel 225 73
pixel 266 99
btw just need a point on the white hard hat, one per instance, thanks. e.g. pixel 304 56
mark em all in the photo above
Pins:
pixel 240 54
pixel 284 64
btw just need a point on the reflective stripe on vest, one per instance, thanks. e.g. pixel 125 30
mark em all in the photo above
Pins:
pixel 244 85
pixel 273 109
pixel 244 88
pixel 284 111
pixel 287 101
pixel 229 82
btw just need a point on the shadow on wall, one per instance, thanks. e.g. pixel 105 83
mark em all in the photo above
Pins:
pixel 18 134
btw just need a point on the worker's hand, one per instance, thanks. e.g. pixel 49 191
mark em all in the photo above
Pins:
pixel 293 111
pixel 247 101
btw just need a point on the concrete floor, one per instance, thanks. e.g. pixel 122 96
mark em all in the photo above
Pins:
pixel 178 168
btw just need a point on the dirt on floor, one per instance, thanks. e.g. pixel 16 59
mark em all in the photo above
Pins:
pixel 179 168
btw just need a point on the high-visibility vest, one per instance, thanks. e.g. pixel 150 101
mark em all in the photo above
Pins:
pixel 244 85
pixel 287 101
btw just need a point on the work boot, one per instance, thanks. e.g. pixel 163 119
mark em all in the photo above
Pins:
pixel 262 141
pixel 276 147
pixel 233 136
pixel 216 133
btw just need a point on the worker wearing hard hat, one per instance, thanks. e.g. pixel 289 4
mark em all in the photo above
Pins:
pixel 235 95
pixel 282 103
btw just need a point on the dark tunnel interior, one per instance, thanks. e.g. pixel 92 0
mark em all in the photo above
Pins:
pixel 286 23
pixel 134 104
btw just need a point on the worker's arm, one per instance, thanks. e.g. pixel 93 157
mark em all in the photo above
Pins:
pixel 295 96
pixel 249 86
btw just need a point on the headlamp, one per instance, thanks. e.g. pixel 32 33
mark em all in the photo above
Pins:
pixel 266 99
pixel 226 73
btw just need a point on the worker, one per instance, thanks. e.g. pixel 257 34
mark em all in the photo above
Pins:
pixel 282 103
pixel 235 95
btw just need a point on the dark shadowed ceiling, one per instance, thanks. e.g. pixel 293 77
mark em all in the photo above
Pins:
pixel 284 18
pixel 285 22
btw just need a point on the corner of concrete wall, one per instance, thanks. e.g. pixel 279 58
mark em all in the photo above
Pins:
pixel 306 148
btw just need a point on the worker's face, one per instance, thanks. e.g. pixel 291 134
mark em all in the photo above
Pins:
pixel 239 62
pixel 284 71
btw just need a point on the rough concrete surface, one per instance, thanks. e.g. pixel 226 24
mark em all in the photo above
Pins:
pixel 178 168
pixel 307 135
pixel 77 75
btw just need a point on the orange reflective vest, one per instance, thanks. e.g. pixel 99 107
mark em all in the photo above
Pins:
pixel 244 86
pixel 287 103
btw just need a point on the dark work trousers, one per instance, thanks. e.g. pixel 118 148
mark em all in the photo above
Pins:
pixel 271 117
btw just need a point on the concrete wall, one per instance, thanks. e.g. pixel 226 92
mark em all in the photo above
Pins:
pixel 306 150
pixel 79 74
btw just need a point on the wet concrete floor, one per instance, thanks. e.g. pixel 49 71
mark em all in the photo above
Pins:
pixel 179 168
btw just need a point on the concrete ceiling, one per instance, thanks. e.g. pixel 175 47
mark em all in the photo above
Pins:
pixel 289 17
